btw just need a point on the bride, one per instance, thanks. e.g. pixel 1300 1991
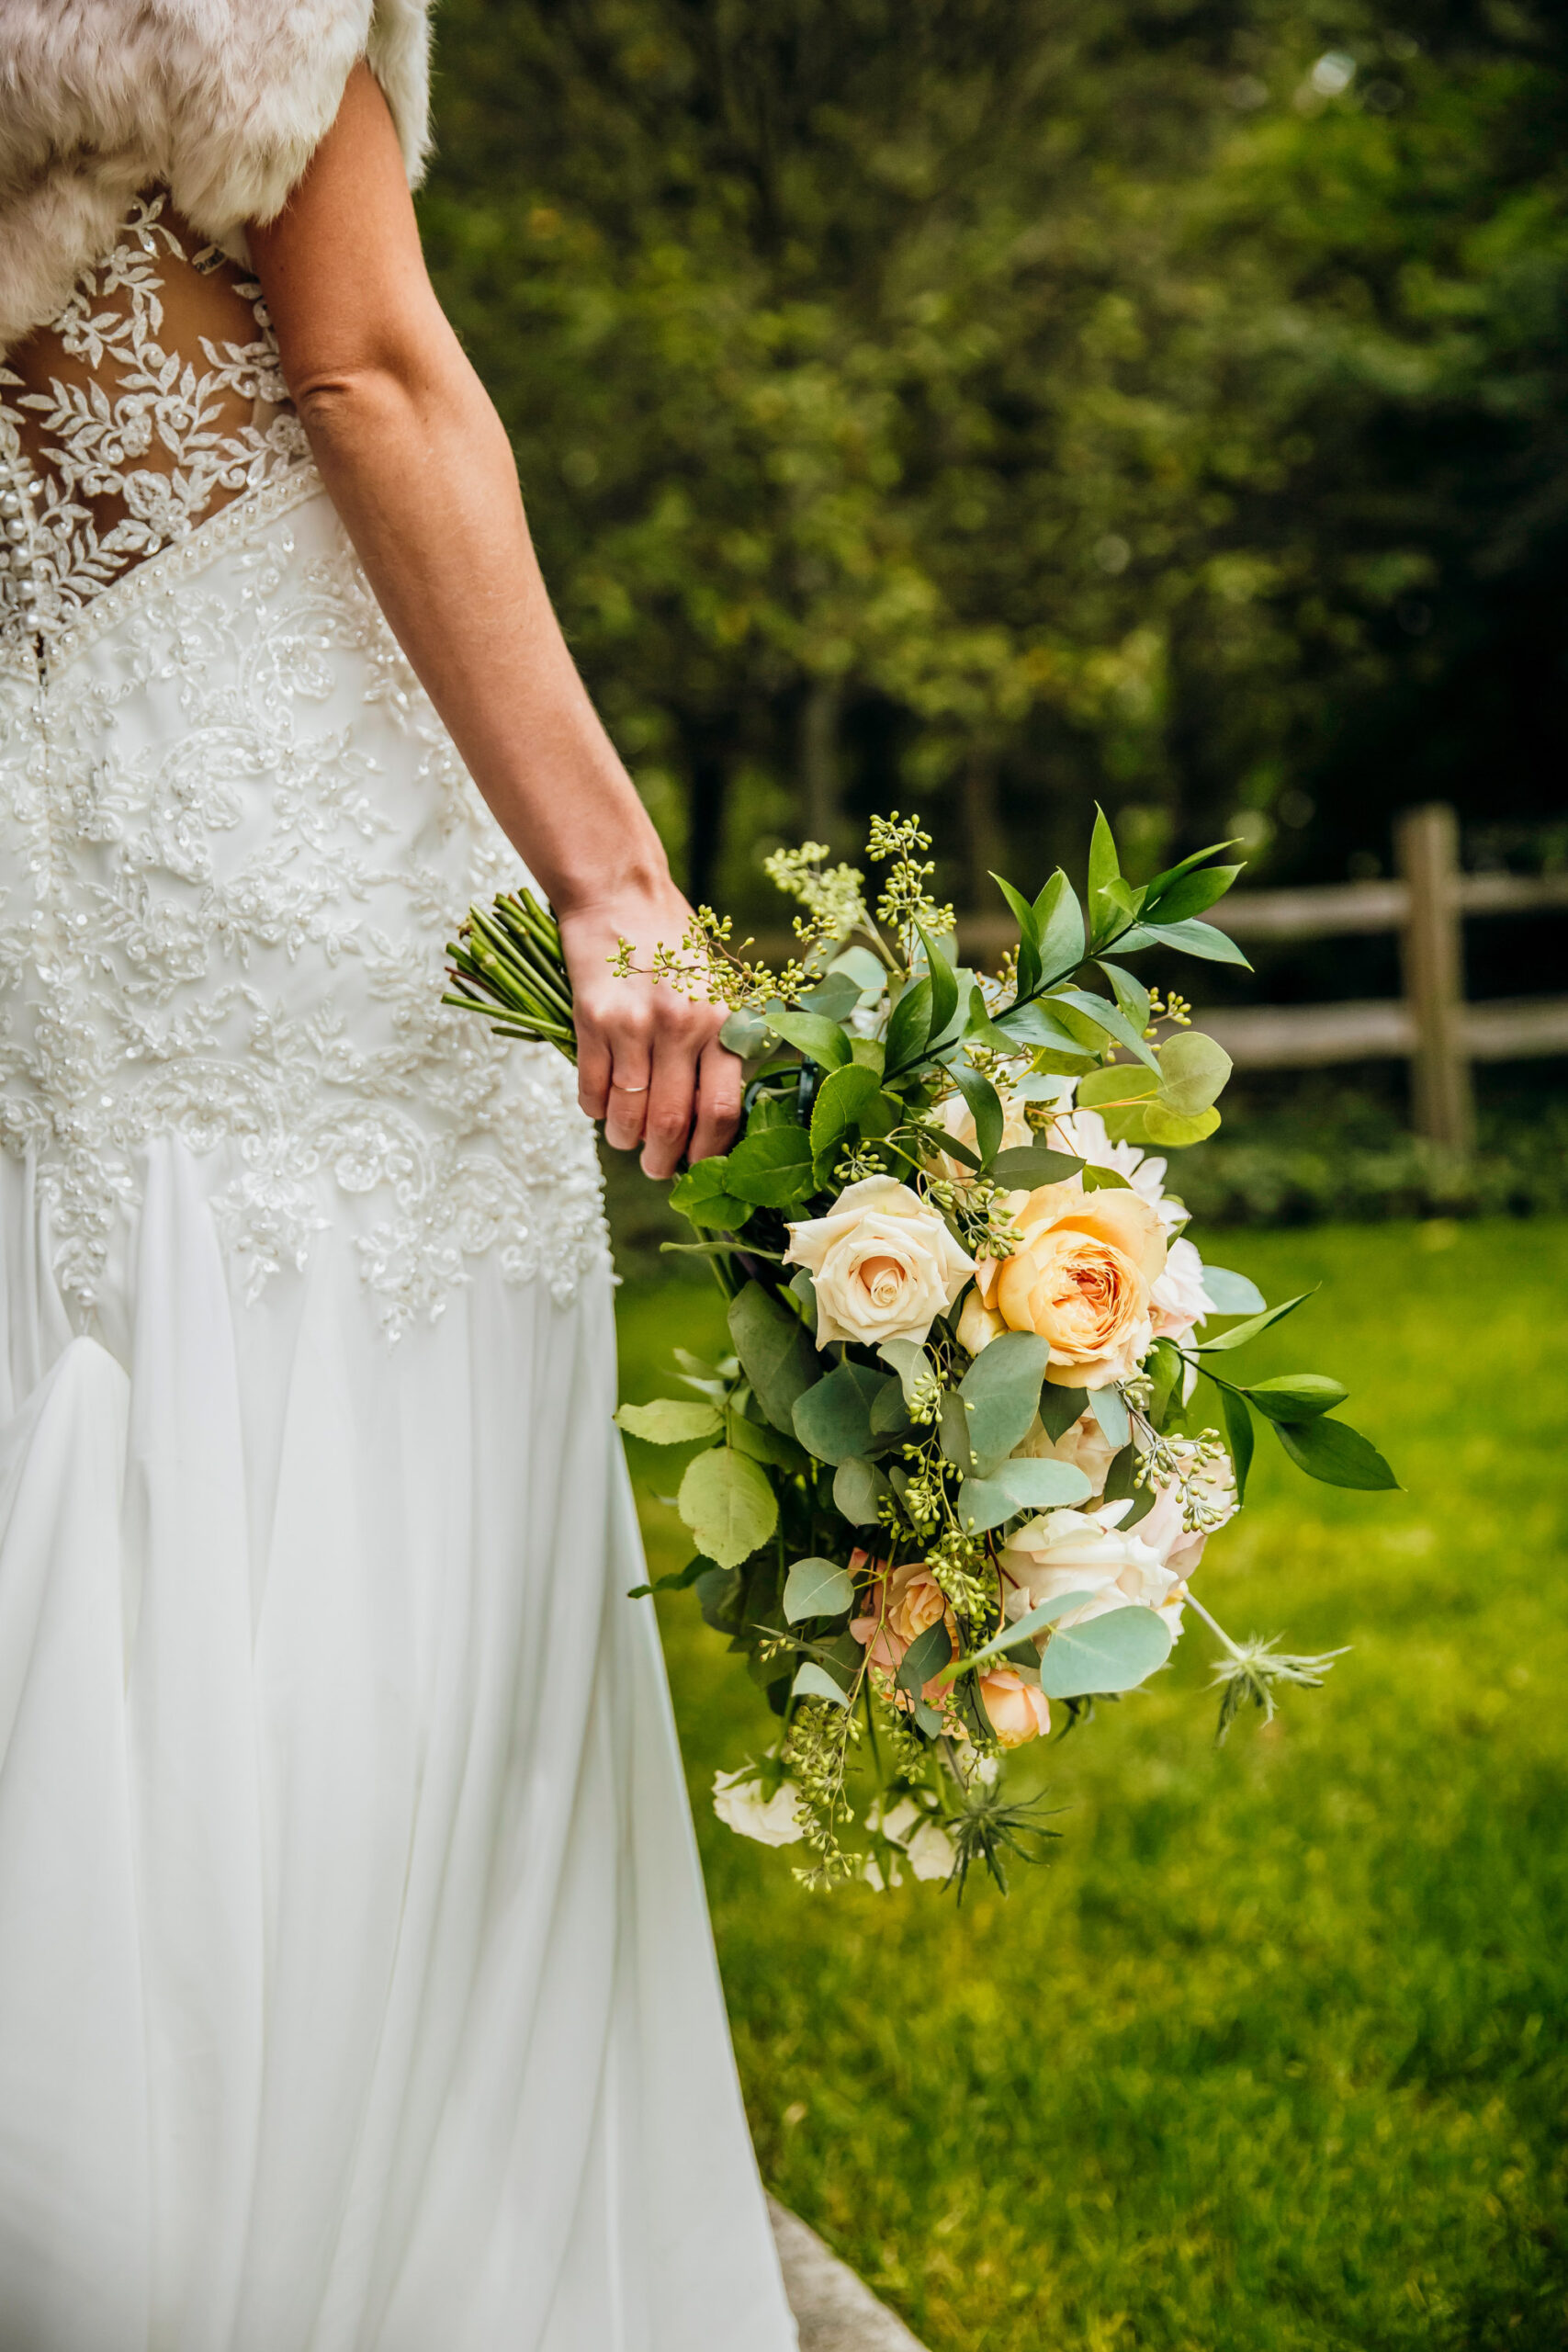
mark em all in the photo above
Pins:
pixel 357 1992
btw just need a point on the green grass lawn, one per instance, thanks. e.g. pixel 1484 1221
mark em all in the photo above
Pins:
pixel 1276 2052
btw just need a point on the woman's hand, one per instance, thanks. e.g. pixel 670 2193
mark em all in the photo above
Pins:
pixel 648 1062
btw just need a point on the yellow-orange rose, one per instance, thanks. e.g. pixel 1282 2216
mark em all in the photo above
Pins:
pixel 1081 1280
pixel 1019 1711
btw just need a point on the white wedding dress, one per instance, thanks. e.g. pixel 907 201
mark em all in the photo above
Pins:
pixel 356 1991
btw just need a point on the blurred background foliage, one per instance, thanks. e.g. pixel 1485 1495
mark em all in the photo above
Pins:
pixel 997 405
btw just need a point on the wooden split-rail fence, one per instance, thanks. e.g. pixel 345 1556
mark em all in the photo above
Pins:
pixel 1431 1024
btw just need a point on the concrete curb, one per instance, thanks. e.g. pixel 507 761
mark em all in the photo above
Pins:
pixel 836 2311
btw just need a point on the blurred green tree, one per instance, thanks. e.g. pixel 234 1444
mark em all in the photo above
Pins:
pixel 1005 402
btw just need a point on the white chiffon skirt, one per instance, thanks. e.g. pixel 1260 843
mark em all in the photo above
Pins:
pixel 356 1990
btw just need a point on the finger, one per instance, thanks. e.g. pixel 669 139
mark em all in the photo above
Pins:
pixel 626 1116
pixel 721 1081
pixel 592 1069
pixel 671 1102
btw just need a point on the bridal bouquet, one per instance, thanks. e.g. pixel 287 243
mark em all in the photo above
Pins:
pixel 979 1420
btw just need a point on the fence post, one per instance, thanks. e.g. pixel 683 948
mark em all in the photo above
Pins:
pixel 1433 956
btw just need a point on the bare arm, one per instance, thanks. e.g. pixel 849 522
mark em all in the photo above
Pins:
pixel 418 465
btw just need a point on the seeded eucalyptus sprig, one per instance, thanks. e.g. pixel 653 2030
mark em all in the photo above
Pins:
pixel 507 961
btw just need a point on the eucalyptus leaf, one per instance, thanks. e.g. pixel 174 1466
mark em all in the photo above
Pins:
pixel 833 1419
pixel 745 1032
pixel 954 1426
pixel 670 1420
pixel 858 1489
pixel 1018 1486
pixel 814 1681
pixel 817 1589
pixel 1122 1083
pixel 908 1359
pixel 1008 1637
pixel 1001 1392
pixel 727 1502
pixel 867 971
pixel 1115 1652
pixel 1169 1130
pixel 835 996
pixel 775 1354
pixel 1193 1071
pixel 1230 1294
pixel 1110 1410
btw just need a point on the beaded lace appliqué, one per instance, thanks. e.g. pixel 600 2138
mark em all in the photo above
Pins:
pixel 234 839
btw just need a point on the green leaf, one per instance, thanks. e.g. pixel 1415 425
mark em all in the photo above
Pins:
pixel 910 1027
pixel 1060 1407
pixel 727 1502
pixel 802 1286
pixel 695 1568
pixel 858 1489
pixel 868 971
pixel 1029 967
pixel 821 1040
pixel 773 1169
pixel 1018 1486
pixel 1164 1367
pixel 984 1105
pixel 745 1032
pixel 1296 1395
pixel 814 1681
pixel 889 1413
pixel 1337 1455
pixel 1109 1017
pixel 908 1359
pixel 1203 940
pixel 1240 1333
pixel 1115 1652
pixel 704 1196
pixel 1131 995
pixel 944 984
pixel 843 1101
pixel 1060 920
pixel 1155 890
pixel 926 1655
pixel 1032 1164
pixel 1105 1179
pixel 817 1589
pixel 1191 893
pixel 1239 1435
pixel 1192 1072
pixel 953 1425
pixel 1031 1025
pixel 835 996
pixel 1120 1083
pixel 1170 1132
pixel 670 1420
pixel 765 1443
pixel 1002 1393
pixel 1104 865
pixel 833 1419
pixel 771 1110
pixel 1110 1412
pixel 775 1354
pixel 1007 1638
pixel 1230 1294
pixel 721 1597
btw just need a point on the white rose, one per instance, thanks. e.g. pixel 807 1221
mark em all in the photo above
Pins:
pixel 885 1263
pixel 1083 1134
pixel 930 1851
pixel 1079 1551
pixel 1178 1295
pixel 739 1803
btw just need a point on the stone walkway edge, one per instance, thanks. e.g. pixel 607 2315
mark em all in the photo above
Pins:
pixel 836 2311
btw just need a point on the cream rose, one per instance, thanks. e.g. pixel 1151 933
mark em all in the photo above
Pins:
pixel 926 1844
pixel 1019 1711
pixel 1081 1279
pixel 884 1261
pixel 1084 1445
pixel 1079 1551
pixel 1177 1298
pixel 739 1803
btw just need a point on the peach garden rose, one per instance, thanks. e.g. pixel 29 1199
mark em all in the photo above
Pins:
pixel 1081 1280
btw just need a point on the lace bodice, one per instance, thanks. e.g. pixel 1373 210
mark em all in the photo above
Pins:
pixel 234 836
